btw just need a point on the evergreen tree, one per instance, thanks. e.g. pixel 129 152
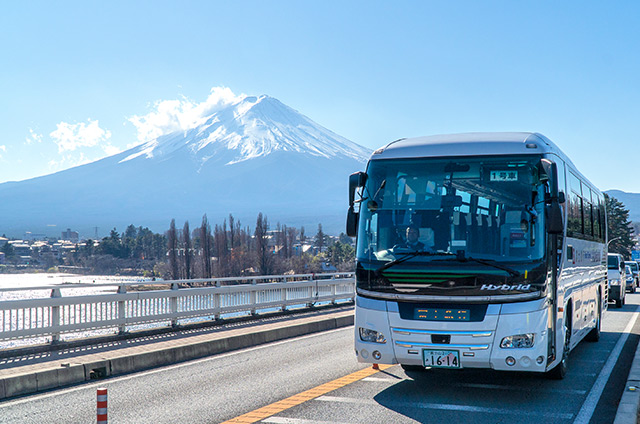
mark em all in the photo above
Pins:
pixel 341 255
pixel 112 245
pixel 8 250
pixel 320 238
pixel 620 231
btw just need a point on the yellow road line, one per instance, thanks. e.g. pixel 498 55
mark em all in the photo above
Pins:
pixel 277 407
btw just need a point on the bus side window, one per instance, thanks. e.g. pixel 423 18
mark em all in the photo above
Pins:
pixel 574 228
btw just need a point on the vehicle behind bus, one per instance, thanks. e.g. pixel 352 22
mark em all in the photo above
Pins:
pixel 617 278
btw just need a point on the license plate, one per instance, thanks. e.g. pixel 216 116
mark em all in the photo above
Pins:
pixel 441 358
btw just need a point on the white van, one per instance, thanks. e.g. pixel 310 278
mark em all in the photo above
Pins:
pixel 617 278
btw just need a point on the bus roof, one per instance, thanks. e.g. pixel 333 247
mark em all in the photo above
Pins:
pixel 470 144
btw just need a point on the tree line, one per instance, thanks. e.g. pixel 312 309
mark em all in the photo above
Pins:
pixel 231 249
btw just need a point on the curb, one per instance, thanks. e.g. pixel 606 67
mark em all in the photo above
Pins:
pixel 94 367
pixel 630 402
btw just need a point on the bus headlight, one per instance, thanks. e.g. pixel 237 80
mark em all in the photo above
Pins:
pixel 518 341
pixel 614 282
pixel 367 335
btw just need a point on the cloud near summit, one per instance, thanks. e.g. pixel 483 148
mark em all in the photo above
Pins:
pixel 169 116
pixel 70 137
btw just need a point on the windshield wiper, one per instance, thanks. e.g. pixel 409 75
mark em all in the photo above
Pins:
pixel 409 256
pixel 488 262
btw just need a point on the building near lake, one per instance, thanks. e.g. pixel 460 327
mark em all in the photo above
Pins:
pixel 72 236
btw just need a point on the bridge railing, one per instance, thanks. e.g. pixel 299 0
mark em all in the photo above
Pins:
pixel 142 303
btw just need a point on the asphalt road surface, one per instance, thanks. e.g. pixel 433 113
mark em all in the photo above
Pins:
pixel 223 387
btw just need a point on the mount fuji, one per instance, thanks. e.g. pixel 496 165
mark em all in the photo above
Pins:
pixel 252 155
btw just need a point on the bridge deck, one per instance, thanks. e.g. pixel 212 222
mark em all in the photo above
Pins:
pixel 20 375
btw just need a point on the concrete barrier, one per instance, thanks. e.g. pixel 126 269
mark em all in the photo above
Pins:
pixel 70 374
pixel 21 384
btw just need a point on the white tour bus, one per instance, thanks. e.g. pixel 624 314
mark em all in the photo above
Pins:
pixel 479 250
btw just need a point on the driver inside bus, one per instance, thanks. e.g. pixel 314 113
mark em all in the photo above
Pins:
pixel 412 241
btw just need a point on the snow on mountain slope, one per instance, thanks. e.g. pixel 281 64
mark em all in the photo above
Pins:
pixel 251 128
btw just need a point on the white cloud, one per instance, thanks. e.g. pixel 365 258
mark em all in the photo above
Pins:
pixel 33 137
pixel 3 148
pixel 110 149
pixel 70 137
pixel 169 116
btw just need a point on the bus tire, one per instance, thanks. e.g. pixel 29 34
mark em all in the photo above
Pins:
pixel 559 371
pixel 594 334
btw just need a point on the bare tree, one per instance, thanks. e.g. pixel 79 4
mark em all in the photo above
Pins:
pixel 205 241
pixel 292 234
pixel 186 243
pixel 232 234
pixel 262 245
pixel 221 249
pixel 172 244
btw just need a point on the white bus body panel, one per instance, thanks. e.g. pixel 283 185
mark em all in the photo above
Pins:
pixel 478 343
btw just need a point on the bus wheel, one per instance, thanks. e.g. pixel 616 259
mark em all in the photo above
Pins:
pixel 594 335
pixel 559 371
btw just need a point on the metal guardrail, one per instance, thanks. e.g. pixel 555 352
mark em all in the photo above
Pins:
pixel 186 299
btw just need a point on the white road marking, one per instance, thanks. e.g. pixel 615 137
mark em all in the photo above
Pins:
pixel 521 389
pixel 284 420
pixel 583 374
pixel 487 386
pixel 378 379
pixel 446 407
pixel 589 405
pixel 106 382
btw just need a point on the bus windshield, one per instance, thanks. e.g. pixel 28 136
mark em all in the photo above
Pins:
pixel 480 208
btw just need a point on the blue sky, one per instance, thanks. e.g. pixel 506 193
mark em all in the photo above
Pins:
pixel 74 75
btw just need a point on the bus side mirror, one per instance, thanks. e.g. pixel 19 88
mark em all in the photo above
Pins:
pixel 357 179
pixel 555 198
pixel 554 217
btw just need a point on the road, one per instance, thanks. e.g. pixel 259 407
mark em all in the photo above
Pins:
pixel 222 387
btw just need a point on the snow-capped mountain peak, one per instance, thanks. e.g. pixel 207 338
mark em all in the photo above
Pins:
pixel 249 128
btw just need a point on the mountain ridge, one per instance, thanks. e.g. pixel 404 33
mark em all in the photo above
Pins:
pixel 631 202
